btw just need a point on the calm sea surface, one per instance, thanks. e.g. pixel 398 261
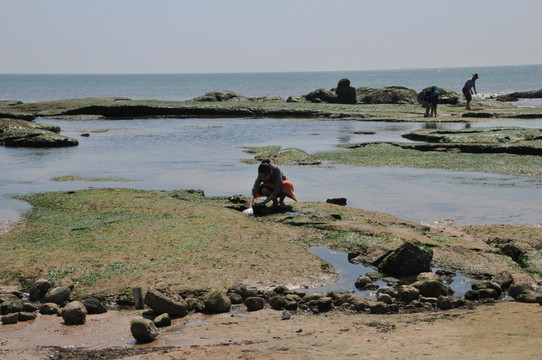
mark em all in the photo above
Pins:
pixel 206 153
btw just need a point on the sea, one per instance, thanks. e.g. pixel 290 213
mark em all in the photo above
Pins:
pixel 207 154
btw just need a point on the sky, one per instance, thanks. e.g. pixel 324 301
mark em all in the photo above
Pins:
pixel 219 36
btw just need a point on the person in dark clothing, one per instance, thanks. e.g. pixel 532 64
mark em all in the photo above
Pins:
pixel 433 102
pixel 271 183
pixel 424 96
pixel 470 88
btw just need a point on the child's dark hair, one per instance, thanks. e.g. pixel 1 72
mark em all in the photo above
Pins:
pixel 265 167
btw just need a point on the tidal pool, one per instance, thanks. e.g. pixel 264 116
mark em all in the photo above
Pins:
pixel 205 154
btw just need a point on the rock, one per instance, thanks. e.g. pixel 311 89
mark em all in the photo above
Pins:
pixel 162 320
pixel 27 316
pixel 281 289
pixel 216 302
pixel 516 290
pixel 514 252
pixel 12 306
pixel 162 300
pixel 39 289
pixel 66 282
pixel 432 288
pixel 10 318
pixel 254 303
pixel 486 284
pixel 30 307
pixel 35 138
pixel 365 283
pixel 411 258
pixel 386 95
pixel 49 309
pixel 58 295
pixel 378 308
pixel 528 297
pixel 296 99
pixel 408 294
pixel 235 298
pixel 193 304
pixel 322 95
pixel 346 94
pixel 223 95
pixel 144 330
pixel 94 306
pixel 385 298
pixel 444 302
pixel 278 302
pixel 488 293
pixel 74 313
pixel 238 289
pixel 358 303
pixel 515 96
pixel 504 280
pixel 472 295
pixel 387 290
pixel 337 201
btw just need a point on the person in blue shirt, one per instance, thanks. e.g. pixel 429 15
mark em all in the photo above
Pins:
pixel 470 88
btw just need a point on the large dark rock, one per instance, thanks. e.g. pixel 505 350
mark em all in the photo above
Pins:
pixel 223 95
pixel 322 95
pixel 216 302
pixel 58 295
pixel 432 288
pixel 144 330
pixel 74 313
pixel 411 258
pixel 94 306
pixel 515 96
pixel 162 300
pixel 254 303
pixel 346 94
pixel 35 138
pixel 39 289
pixel 386 95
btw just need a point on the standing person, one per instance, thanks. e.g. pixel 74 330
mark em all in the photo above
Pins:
pixel 433 101
pixel 273 184
pixel 424 96
pixel 470 88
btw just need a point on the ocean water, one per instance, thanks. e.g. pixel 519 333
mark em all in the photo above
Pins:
pixel 206 153
pixel 36 87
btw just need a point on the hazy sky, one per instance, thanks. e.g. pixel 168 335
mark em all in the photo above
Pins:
pixel 175 36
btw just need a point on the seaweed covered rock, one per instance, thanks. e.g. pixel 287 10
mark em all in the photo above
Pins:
pixel 223 95
pixel 217 302
pixel 322 95
pixel 386 95
pixel 35 138
pixel 411 258
pixel 162 300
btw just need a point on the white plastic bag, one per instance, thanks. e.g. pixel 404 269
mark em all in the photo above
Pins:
pixel 248 212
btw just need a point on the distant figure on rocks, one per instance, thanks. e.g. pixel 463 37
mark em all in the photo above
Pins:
pixel 273 184
pixel 470 88
pixel 424 98
pixel 433 102
pixel 346 94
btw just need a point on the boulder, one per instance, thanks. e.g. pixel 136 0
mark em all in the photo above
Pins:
pixel 364 282
pixel 10 318
pixel 162 300
pixel 216 302
pixel 346 94
pixel 254 303
pixel 35 138
pixel 432 288
pixel 144 330
pixel 444 302
pixel 411 258
pixel 516 290
pixel 94 306
pixel 162 320
pixel 58 295
pixel 385 298
pixel 386 95
pixel 408 294
pixel 222 95
pixel 278 302
pixel 74 313
pixel 39 289
pixel 322 95
pixel 49 309
pixel 27 316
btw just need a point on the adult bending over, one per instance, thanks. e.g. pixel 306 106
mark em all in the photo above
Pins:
pixel 272 184
pixel 468 88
